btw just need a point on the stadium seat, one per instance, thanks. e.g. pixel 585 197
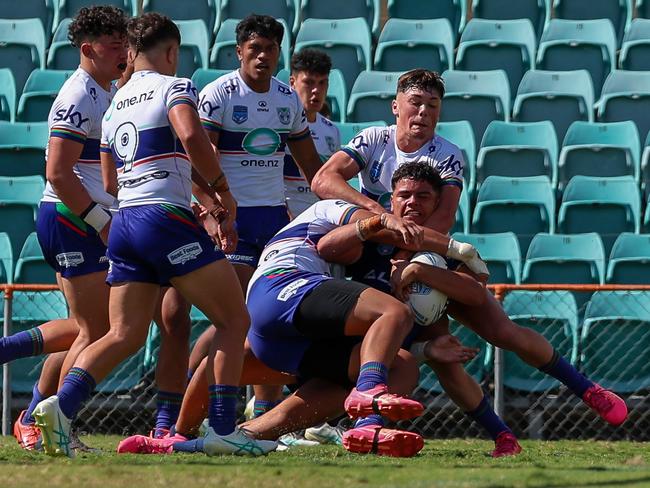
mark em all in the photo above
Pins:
pixel 62 55
pixel 283 75
pixel 347 41
pixel 498 44
pixel 69 8
pixel 629 261
pixel 44 10
pixel 426 43
pixel 195 42
pixel 645 167
pixel 626 96
pixel 477 96
pixel 31 266
pixel 6 259
pixel 600 149
pixel 619 12
pixel 537 11
pixel 206 10
pixel 337 95
pixel 636 46
pixel 517 149
pixel 223 55
pixel 501 253
pixel 286 10
pixel 461 134
pixel 615 340
pixel 608 206
pixel 646 218
pixel 554 315
pixel 579 44
pixel 524 206
pixel 40 90
pixel 22 48
pixel 343 9
pixel 202 77
pixel 7 95
pixel 559 96
pixel 19 197
pixel 455 11
pixel 463 215
pixel 350 129
pixel 643 9
pixel 22 148
pixel 371 96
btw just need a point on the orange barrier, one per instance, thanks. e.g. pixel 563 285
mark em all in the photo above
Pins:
pixel 8 290
pixel 500 290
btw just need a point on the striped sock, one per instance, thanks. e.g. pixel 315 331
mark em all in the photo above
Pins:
pixel 78 384
pixel 168 406
pixel 560 369
pixel 262 406
pixel 370 420
pixel 222 406
pixel 21 345
pixel 372 374
pixel 36 399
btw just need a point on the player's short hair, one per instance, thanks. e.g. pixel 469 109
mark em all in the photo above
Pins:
pixel 422 79
pixel 93 22
pixel 419 172
pixel 260 26
pixel 311 61
pixel 150 29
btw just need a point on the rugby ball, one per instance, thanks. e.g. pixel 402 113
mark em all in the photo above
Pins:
pixel 427 304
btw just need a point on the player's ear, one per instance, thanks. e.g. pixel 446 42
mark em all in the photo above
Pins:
pixel 239 54
pixel 394 108
pixel 87 50
pixel 292 81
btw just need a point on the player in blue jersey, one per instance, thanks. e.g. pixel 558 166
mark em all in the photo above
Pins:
pixel 151 139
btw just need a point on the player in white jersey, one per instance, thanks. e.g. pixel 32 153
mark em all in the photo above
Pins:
pixel 151 138
pixel 310 79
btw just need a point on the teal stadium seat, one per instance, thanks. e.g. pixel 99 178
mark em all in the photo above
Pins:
pixel 477 96
pixel 7 95
pixel 498 44
pixel 31 266
pixel 579 44
pixel 537 11
pixel 337 95
pixel 646 218
pixel 40 90
pixel 554 315
pixel 645 167
pixel 44 10
pixel 347 41
pixel 6 259
pixel 19 197
pixel 286 10
pixel 206 10
pixel 559 96
pixel 600 149
pixel 524 206
pixel 62 55
pixel 195 42
pixel 405 43
pixel 500 252
pixel 461 134
pixel 455 11
pixel 619 12
pixel 463 214
pixel 283 75
pixel 69 8
pixel 22 148
pixel 202 77
pixel 371 97
pixel 629 261
pixel 636 46
pixel 224 51
pixel 608 206
pixel 22 48
pixel 349 130
pixel 626 96
pixel 370 10
pixel 615 340
pixel 517 149
pixel 643 8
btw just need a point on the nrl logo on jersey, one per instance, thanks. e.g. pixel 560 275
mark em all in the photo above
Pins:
pixel 284 115
pixel 331 145
pixel 239 114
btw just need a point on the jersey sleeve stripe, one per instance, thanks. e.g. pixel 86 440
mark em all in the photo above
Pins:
pixel 300 135
pixel 180 101
pixel 68 134
pixel 210 125
pixel 345 218
pixel 105 148
pixel 354 155
pixel 453 182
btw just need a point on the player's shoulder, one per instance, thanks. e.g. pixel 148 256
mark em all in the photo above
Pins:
pixel 79 89
pixel 227 84
pixel 377 135
pixel 325 121
pixel 281 88
pixel 177 85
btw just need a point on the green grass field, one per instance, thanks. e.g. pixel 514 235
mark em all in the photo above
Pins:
pixel 449 463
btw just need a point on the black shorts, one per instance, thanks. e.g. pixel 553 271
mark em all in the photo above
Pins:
pixel 328 359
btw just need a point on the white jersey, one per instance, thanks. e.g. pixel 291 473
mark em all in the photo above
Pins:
pixel 253 132
pixel 375 151
pixel 294 246
pixel 77 115
pixel 152 165
pixel 327 141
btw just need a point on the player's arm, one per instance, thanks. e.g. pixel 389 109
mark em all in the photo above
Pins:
pixel 109 172
pixel 305 155
pixel 444 216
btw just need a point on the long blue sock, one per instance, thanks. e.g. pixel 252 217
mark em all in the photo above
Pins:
pixel 78 384
pixel 560 369
pixel 21 345
pixel 260 407
pixel 168 406
pixel 372 374
pixel 36 399
pixel 222 407
pixel 194 445
pixel 485 415
pixel 371 420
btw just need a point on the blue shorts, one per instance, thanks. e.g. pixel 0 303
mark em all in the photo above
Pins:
pixel 255 227
pixel 154 243
pixel 70 246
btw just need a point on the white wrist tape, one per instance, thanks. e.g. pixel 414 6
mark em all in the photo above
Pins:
pixel 460 250
pixel 97 218
pixel 417 349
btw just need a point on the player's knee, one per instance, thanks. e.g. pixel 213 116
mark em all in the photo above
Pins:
pixel 401 315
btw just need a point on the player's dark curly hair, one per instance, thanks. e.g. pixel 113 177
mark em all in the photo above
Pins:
pixel 261 26
pixel 422 79
pixel 150 29
pixel 93 22
pixel 419 172
pixel 311 61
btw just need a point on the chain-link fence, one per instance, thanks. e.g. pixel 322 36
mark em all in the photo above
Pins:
pixel 604 331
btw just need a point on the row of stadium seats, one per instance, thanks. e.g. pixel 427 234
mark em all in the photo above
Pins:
pixel 30 267
pixel 589 343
